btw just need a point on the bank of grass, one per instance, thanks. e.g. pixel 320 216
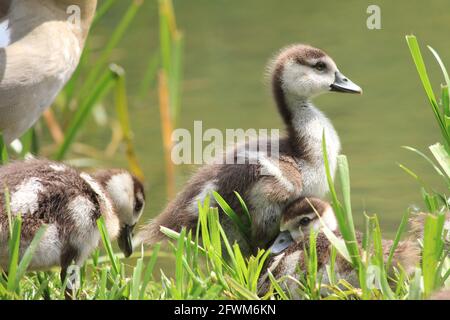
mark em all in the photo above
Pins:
pixel 216 268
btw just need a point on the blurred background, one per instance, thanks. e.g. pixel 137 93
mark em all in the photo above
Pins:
pixel 223 47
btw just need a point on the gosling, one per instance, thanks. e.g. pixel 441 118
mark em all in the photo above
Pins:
pixel 69 202
pixel 289 247
pixel 268 182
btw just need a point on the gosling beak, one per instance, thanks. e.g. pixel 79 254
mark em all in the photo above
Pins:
pixel 281 243
pixel 126 240
pixel 344 84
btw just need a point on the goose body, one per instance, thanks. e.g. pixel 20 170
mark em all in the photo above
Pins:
pixel 41 49
pixel 269 182
pixel 69 203
pixel 289 262
pixel 417 222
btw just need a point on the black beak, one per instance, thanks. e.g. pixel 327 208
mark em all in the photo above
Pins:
pixel 344 84
pixel 125 240
pixel 281 243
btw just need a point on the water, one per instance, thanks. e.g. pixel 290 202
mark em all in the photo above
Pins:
pixel 227 46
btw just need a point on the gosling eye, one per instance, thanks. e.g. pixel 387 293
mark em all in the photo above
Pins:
pixel 320 66
pixel 304 221
pixel 138 204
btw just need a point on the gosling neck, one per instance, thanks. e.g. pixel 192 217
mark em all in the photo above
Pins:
pixel 292 110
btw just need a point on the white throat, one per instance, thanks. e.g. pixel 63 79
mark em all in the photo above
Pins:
pixel 310 123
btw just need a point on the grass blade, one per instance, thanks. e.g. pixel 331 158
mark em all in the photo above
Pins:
pixel 245 209
pixel 116 36
pixel 421 154
pixel 422 71
pixel 150 75
pixel 401 229
pixel 179 270
pixel 441 65
pixel 124 119
pixel 230 213
pixel 101 11
pixel 108 246
pixel 149 270
pixel 432 250
pixel 136 279
pixel 14 253
pixel 441 155
pixel 276 286
pixel 3 151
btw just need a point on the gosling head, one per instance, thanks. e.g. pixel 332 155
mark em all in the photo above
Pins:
pixel 302 71
pixel 299 218
pixel 128 197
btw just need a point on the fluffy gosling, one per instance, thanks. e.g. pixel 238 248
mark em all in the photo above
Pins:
pixel 69 202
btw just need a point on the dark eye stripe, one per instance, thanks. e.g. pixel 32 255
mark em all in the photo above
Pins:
pixel 305 221
pixel 320 66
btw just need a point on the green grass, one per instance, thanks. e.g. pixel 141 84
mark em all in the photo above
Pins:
pixel 214 268
pixel 3 151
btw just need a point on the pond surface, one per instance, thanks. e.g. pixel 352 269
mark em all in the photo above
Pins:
pixel 227 46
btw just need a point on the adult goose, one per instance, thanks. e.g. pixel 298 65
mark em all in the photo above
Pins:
pixel 40 46
pixel 69 202
pixel 269 181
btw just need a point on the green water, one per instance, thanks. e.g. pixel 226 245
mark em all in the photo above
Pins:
pixel 227 46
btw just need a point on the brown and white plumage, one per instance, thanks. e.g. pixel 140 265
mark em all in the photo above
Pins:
pixel 289 248
pixel 69 202
pixel 269 182
pixel 42 49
